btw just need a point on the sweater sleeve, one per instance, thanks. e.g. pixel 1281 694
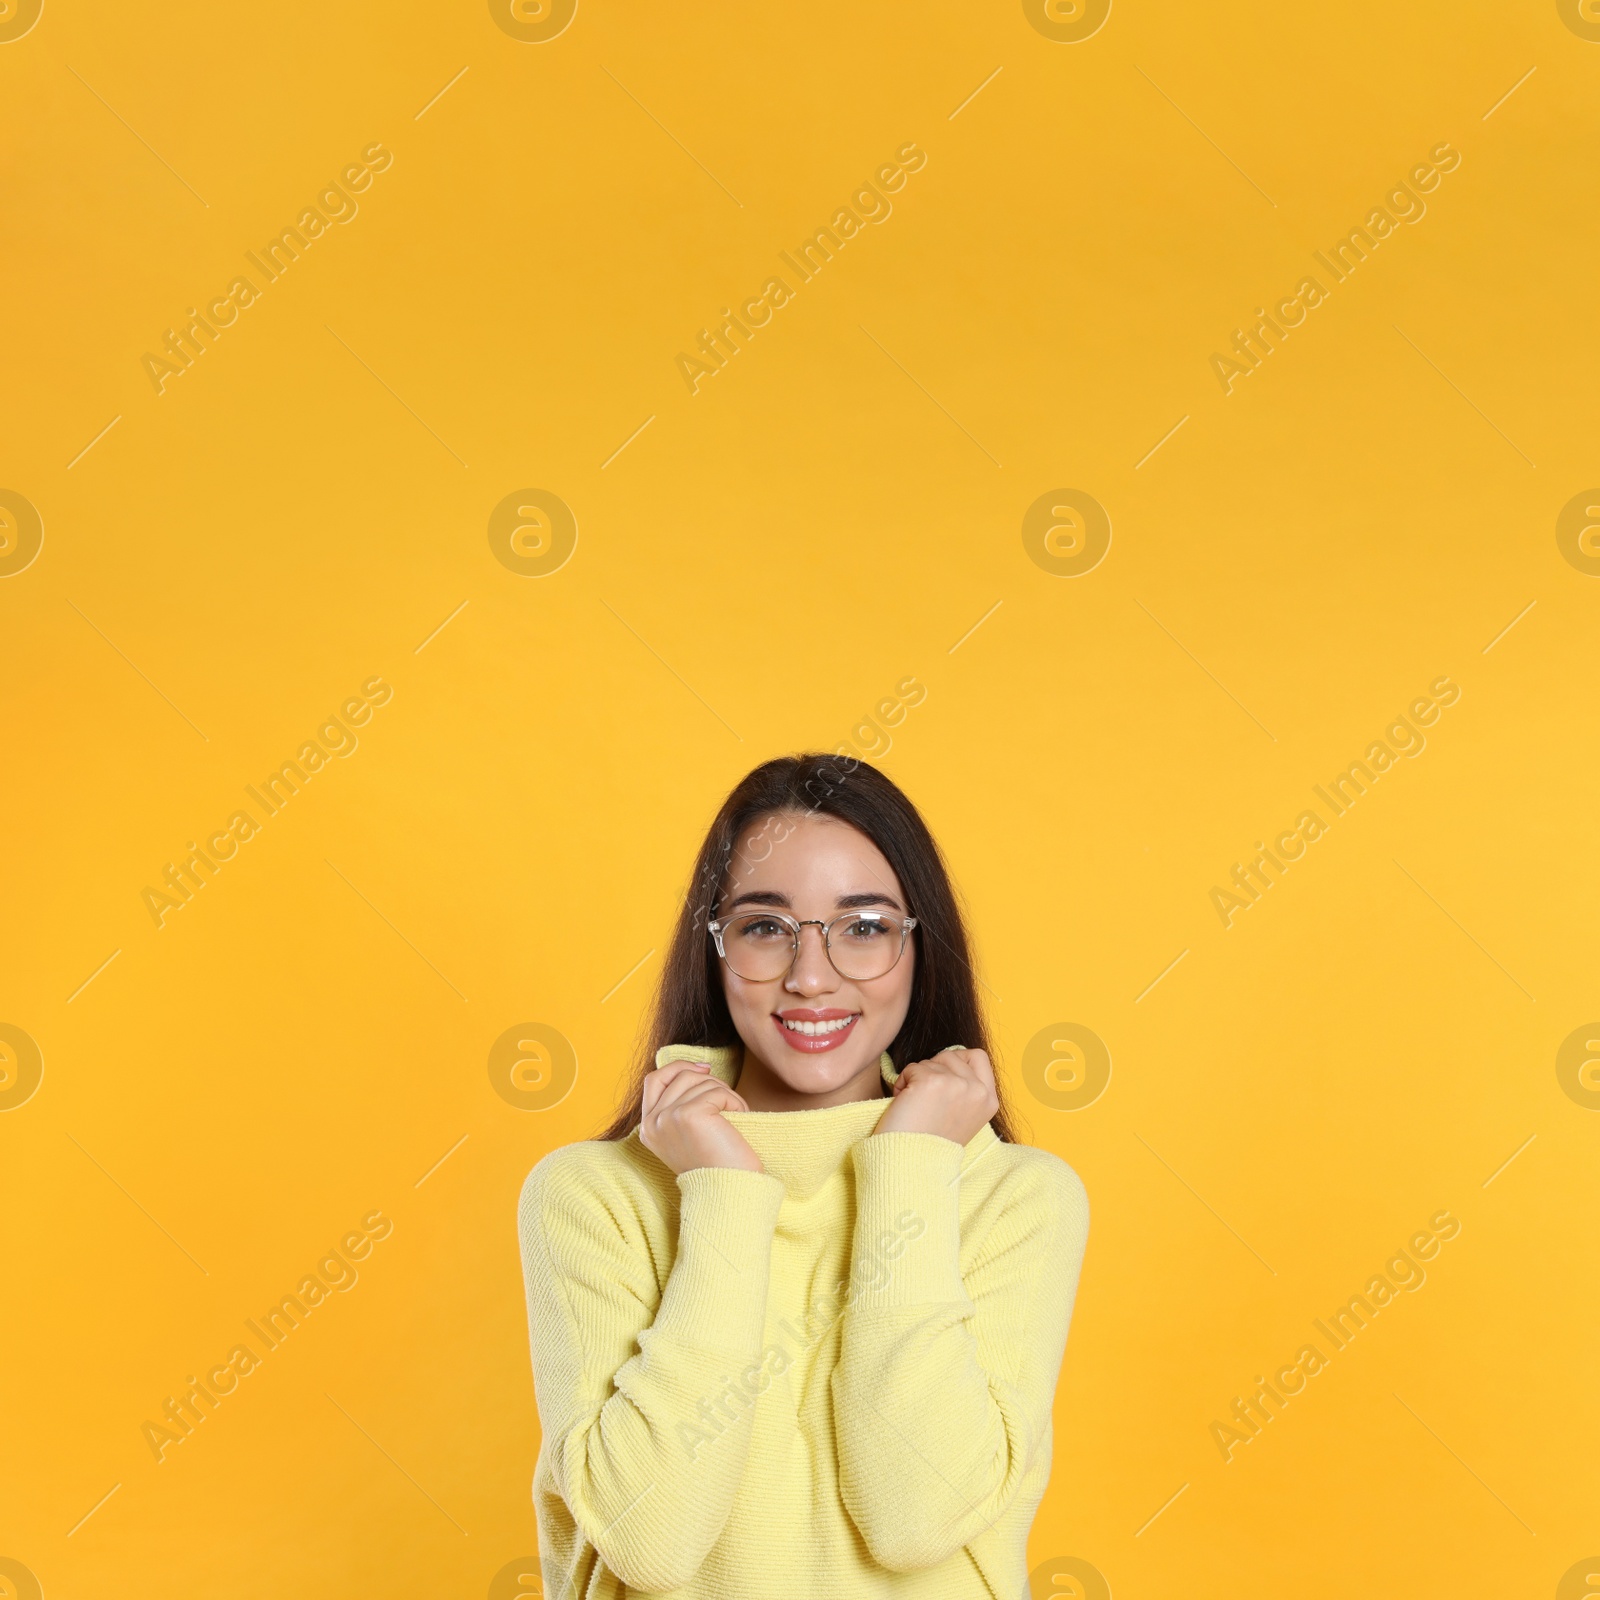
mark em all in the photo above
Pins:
pixel 625 1386
pixel 946 1379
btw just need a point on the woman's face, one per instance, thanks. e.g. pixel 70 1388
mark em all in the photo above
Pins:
pixel 813 866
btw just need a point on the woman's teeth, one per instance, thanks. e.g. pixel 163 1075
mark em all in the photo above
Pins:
pixel 832 1026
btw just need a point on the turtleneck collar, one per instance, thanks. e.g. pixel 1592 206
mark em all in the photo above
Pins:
pixel 804 1149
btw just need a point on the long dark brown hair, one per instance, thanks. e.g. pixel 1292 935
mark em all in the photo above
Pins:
pixel 690 1007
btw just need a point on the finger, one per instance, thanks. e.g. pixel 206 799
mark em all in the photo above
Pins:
pixel 671 1080
pixel 977 1065
pixel 712 1090
pixel 674 1092
pixel 966 1063
pixel 674 1069
pixel 731 1100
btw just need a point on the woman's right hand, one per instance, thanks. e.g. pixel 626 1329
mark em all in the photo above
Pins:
pixel 682 1122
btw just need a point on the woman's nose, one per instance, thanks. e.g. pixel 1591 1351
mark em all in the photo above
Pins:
pixel 812 972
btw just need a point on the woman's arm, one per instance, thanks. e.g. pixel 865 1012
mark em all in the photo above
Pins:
pixel 943 1392
pixel 644 1450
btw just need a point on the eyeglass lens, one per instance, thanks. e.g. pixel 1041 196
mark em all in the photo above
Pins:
pixel 861 945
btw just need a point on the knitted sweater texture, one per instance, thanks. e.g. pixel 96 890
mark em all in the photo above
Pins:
pixel 832 1378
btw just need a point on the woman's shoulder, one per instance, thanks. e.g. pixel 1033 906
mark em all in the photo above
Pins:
pixel 589 1175
pixel 1023 1178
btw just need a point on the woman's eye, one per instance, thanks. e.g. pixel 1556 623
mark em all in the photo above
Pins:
pixel 765 928
pixel 866 928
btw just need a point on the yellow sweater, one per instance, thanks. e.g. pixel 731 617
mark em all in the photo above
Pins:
pixel 832 1378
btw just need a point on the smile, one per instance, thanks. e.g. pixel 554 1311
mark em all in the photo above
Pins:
pixel 811 1031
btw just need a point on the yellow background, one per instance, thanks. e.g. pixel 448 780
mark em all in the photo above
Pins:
pixel 754 572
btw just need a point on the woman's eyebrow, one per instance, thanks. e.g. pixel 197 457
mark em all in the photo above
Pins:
pixel 849 902
pixel 759 897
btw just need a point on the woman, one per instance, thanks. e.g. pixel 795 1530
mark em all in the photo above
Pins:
pixel 797 1315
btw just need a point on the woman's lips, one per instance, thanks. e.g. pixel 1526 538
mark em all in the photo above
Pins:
pixel 815 1043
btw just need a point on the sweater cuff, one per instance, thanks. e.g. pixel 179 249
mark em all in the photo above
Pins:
pixel 716 1293
pixel 907 1244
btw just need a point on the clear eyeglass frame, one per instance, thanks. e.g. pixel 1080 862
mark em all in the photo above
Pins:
pixel 718 928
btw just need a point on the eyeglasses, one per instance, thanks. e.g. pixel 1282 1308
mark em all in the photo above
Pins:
pixel 762 945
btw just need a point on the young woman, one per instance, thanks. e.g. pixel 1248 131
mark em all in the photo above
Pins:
pixel 798 1314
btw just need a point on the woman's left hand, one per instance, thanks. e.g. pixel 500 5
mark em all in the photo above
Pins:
pixel 952 1095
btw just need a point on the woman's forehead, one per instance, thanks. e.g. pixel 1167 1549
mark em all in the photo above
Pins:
pixel 795 853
